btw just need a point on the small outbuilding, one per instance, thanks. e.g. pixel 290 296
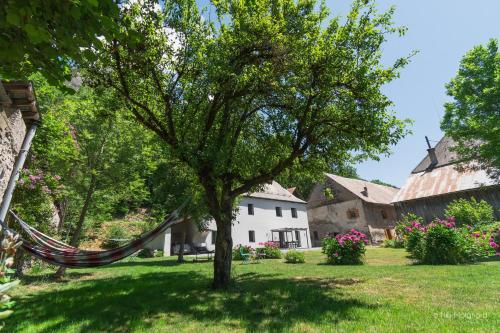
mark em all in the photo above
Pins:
pixel 438 180
pixel 341 204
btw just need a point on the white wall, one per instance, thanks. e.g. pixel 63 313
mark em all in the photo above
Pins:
pixel 264 220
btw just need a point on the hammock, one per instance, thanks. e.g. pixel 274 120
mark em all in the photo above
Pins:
pixel 56 252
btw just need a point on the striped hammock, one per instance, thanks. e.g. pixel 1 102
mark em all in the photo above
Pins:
pixel 58 253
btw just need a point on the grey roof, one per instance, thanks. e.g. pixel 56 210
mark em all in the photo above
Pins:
pixel 443 153
pixel 378 194
pixel 274 191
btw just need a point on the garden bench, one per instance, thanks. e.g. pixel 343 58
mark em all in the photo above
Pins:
pixel 203 250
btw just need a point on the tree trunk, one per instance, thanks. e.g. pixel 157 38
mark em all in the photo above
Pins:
pixel 180 256
pixel 223 247
pixel 81 219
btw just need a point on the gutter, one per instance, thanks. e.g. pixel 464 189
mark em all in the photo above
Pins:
pixel 14 176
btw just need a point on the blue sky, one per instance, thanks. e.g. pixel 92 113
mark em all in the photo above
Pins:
pixel 442 31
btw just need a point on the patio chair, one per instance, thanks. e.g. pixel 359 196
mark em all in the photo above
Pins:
pixel 245 256
pixel 259 256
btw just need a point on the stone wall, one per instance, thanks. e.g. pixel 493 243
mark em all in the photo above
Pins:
pixel 331 215
pixel 12 131
pixel 335 218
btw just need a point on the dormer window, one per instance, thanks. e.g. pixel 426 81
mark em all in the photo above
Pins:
pixel 250 209
pixel 278 212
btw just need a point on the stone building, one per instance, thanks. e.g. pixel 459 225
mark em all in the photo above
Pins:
pixel 341 204
pixel 17 111
pixel 436 181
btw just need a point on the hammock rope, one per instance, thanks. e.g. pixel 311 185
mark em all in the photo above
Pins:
pixel 56 252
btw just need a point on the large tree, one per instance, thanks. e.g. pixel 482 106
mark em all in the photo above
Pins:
pixel 248 89
pixel 472 118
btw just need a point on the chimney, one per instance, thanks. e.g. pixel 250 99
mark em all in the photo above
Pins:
pixel 365 191
pixel 432 153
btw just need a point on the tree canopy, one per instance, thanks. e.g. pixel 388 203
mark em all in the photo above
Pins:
pixel 472 118
pixel 259 88
pixel 48 35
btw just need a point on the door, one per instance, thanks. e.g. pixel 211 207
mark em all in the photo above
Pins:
pixel 282 239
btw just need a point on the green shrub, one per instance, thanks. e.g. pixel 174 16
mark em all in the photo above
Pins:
pixel 113 236
pixel 270 249
pixel 393 243
pixel 237 252
pixel 158 254
pixel 295 257
pixel 345 249
pixel 145 253
pixel 470 212
pixel 442 243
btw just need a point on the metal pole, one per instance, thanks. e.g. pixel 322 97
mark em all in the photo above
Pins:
pixel 14 176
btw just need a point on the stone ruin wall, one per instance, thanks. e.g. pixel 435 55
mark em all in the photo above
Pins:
pixel 12 131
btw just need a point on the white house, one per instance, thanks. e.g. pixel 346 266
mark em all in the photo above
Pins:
pixel 273 214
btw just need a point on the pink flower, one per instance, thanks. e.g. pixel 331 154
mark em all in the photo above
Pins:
pixel 494 245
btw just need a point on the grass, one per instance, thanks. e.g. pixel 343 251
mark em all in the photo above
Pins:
pixel 159 295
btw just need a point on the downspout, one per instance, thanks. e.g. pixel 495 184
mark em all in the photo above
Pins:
pixel 14 176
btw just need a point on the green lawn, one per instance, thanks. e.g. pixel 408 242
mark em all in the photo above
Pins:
pixel 158 295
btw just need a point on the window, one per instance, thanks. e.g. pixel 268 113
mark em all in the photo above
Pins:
pixel 315 235
pixel 214 236
pixel 278 211
pixel 384 214
pixel 294 213
pixel 352 213
pixel 250 209
pixel 251 236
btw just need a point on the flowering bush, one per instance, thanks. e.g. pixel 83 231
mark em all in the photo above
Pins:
pixel 345 248
pixel 270 249
pixel 441 242
pixel 34 197
pixel 490 234
pixel 406 222
pixel 295 257
pixel 241 248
